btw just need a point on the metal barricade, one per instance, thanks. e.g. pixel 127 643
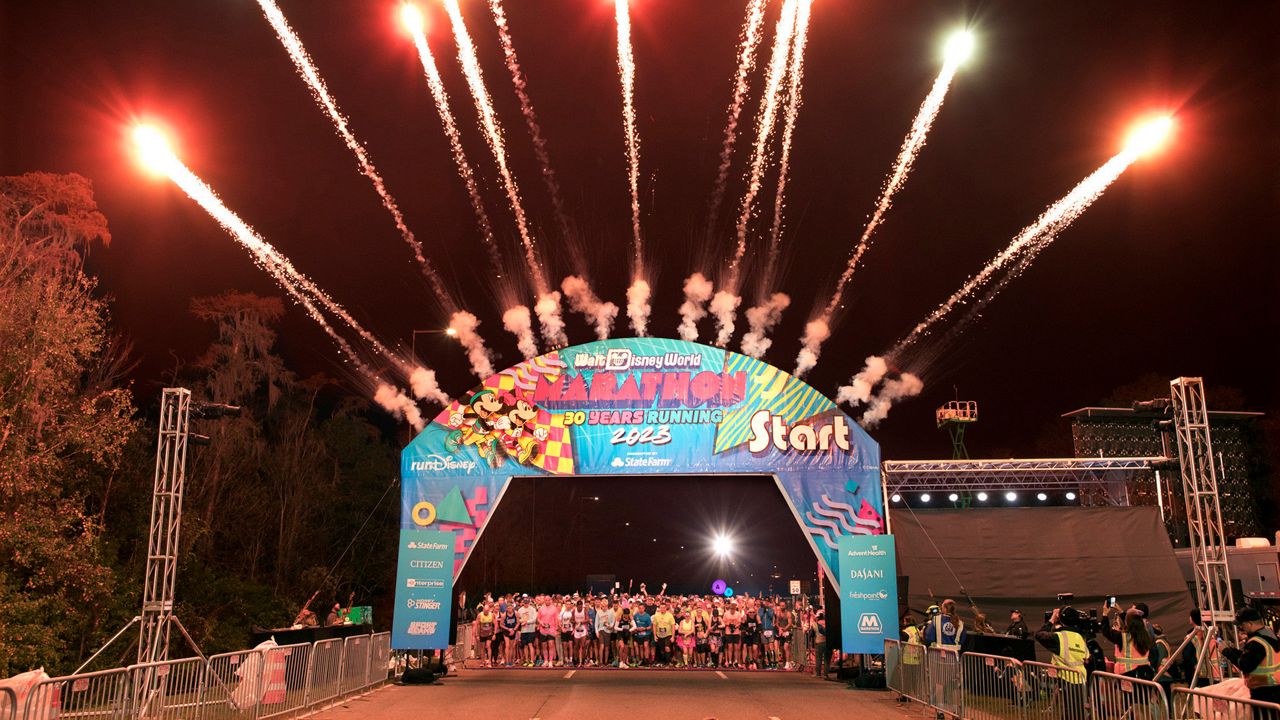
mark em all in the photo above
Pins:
pixel 355 663
pixel 993 687
pixel 1056 693
pixel 913 672
pixel 379 657
pixel 892 665
pixel 942 673
pixel 1207 706
pixel 285 678
pixel 1117 696
pixel 325 675
pixel 8 704
pixel 169 689
pixel 234 685
pixel 102 695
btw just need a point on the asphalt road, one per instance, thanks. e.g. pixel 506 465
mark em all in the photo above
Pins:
pixel 564 695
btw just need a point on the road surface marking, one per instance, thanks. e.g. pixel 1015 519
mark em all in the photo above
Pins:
pixel 771 717
pixel 722 675
pixel 566 677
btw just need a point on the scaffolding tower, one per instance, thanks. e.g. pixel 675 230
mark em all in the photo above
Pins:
pixel 955 416
pixel 166 521
pixel 1204 513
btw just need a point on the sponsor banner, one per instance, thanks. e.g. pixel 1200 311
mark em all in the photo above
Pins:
pixel 632 406
pixel 868 593
pixel 424 588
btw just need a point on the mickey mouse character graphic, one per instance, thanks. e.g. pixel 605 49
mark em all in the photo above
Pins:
pixel 476 425
pixel 516 439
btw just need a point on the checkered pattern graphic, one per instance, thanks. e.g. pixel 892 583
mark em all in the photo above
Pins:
pixel 557 450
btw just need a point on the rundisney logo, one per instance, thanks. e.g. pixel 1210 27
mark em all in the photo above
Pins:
pixel 439 463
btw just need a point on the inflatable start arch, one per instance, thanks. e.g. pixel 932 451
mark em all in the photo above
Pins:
pixel 628 406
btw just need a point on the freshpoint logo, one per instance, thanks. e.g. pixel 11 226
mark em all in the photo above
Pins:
pixel 869 624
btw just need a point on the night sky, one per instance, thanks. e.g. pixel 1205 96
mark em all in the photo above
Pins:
pixel 1171 272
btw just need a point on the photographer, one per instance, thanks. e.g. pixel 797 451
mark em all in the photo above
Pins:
pixel 1128 630
pixel 1061 635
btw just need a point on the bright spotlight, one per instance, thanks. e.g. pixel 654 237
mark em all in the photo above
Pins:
pixel 953 497
pixel 1011 496
pixel 982 497
pixel 896 498
pixel 1149 136
pixel 451 332
pixel 722 545
pixel 411 17
pixel 1041 497
pixel 925 497
pixel 959 47
pixel 153 148
pixel 1071 496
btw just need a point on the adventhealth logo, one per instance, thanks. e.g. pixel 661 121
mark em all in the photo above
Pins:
pixel 869 624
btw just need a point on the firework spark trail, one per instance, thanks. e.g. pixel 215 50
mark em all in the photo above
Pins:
pixel 493 133
pixel 520 83
pixel 638 308
pixel 748 43
pixel 627 75
pixel 907 154
pixel 1034 237
pixel 697 291
pixel 519 322
pixel 764 129
pixel 795 79
pixel 724 307
pixel 307 69
pixel 414 23
pixel 582 299
pixel 761 319
pixel 306 292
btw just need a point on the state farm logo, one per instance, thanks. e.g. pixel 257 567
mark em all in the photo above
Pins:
pixel 869 624
pixel 440 463
pixel 641 462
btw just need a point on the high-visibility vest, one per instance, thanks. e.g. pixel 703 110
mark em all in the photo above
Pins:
pixel 914 649
pixel 1127 656
pixel 1075 652
pixel 937 632
pixel 1211 662
pixel 1268 671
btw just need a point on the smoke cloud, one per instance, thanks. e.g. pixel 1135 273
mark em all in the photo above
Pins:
pixel 697 291
pixel 638 308
pixel 896 389
pixel 816 332
pixel 858 391
pixel 394 401
pixel 548 311
pixel 423 382
pixel 761 319
pixel 519 322
pixel 464 325
pixel 724 306
pixel 581 298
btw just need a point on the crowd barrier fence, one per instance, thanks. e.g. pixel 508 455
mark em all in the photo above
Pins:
pixel 278 682
pixel 1122 697
pixel 992 687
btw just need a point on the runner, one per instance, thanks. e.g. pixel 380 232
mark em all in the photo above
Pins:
pixel 733 636
pixel 485 623
pixel 623 637
pixel 643 635
pixel 548 617
pixel 565 639
pixel 664 627
pixel 768 648
pixel 783 624
pixel 581 631
pixel 528 615
pixel 750 636
pixel 510 634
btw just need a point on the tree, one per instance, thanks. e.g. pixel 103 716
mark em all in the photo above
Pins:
pixel 62 425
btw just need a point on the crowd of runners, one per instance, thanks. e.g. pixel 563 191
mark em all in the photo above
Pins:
pixel 621 630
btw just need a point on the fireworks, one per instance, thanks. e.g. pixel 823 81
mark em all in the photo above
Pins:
pixel 764 129
pixel 307 69
pixel 697 291
pixel 627 75
pixel 582 299
pixel 1052 221
pixel 795 78
pixel 748 43
pixel 414 23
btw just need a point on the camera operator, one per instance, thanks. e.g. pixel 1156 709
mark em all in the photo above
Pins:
pixel 1128 630
pixel 1061 635
pixel 1258 657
